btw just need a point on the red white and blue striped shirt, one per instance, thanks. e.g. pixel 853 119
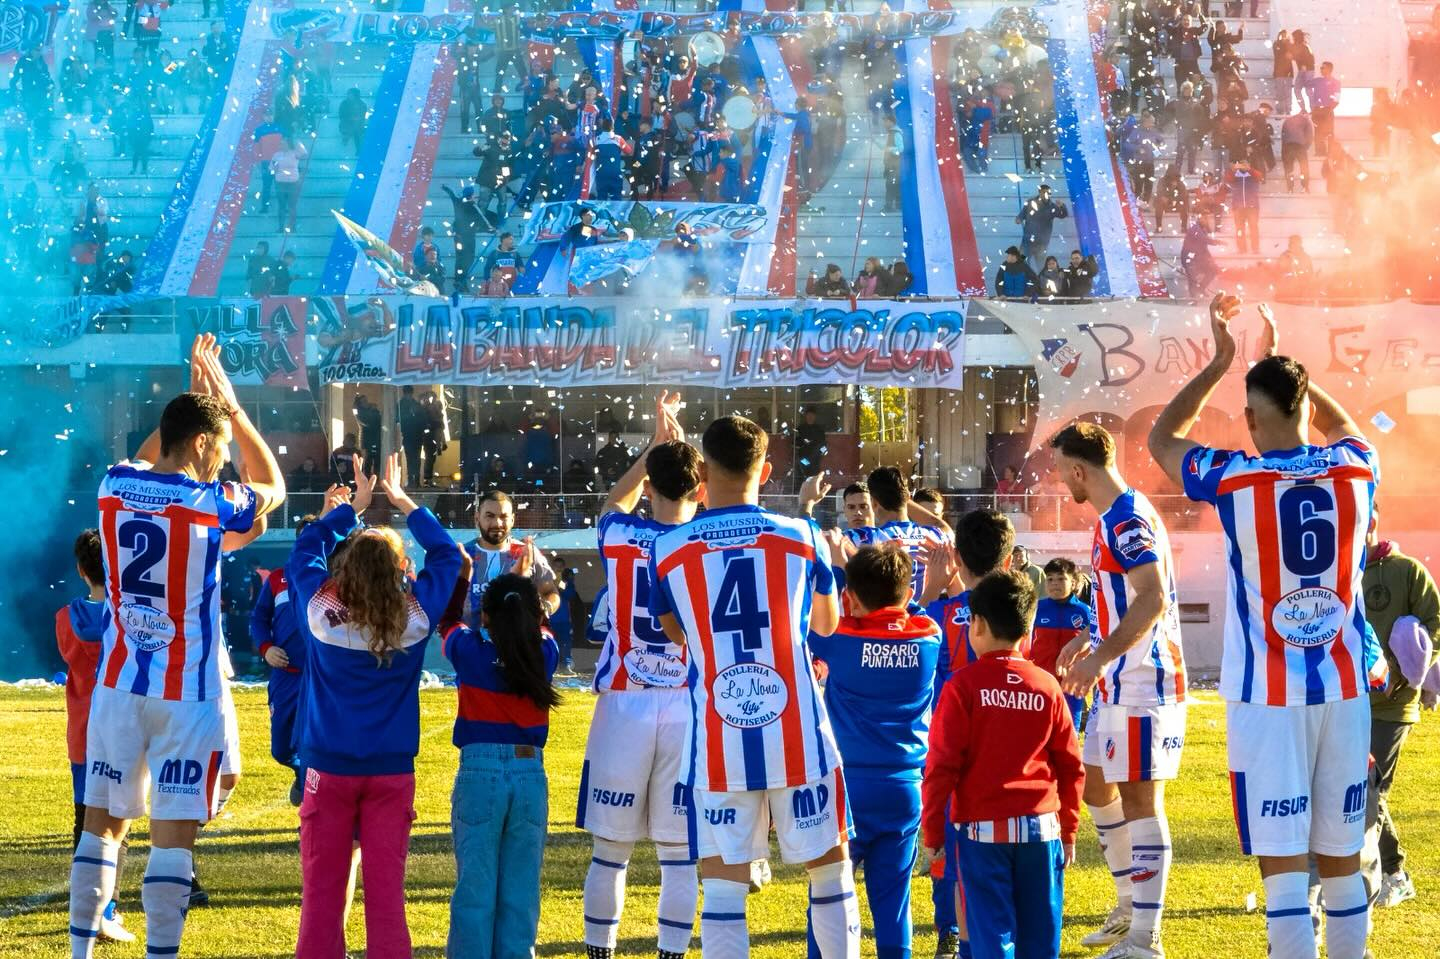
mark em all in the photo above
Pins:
pixel 1295 523
pixel 161 534
pixel 637 654
pixel 1128 535
pixel 739 580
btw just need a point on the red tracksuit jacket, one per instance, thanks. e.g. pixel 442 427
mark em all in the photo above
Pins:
pixel 1001 746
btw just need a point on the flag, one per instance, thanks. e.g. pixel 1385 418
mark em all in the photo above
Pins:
pixel 384 260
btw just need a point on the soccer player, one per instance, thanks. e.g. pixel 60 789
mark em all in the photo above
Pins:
pixel 494 552
pixel 1136 666
pixel 156 716
pixel 983 541
pixel 880 665
pixel 859 513
pixel 630 785
pixel 890 493
pixel 79 626
pixel 277 636
pixel 741 588
pixel 1059 618
pixel 1293 671
pixel 1005 766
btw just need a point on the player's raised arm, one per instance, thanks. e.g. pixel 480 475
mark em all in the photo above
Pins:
pixel 1150 603
pixel 265 480
pixel 1169 438
pixel 1329 417
pixel 928 517
pixel 625 495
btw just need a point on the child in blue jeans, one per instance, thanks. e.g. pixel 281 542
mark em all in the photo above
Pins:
pixel 501 801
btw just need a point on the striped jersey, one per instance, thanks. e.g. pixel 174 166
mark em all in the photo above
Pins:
pixel 486 564
pixel 637 654
pixel 862 536
pixel 1128 535
pixel 739 581
pixel 952 614
pixel 913 536
pixel 162 534
pixel 1295 523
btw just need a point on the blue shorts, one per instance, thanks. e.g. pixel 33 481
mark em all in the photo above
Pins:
pixel 1014 897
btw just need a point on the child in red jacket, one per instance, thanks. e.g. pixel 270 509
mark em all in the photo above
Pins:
pixel 1003 754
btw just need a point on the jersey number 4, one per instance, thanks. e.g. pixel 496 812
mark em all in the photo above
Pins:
pixel 737 607
pixel 1307 536
pixel 146 541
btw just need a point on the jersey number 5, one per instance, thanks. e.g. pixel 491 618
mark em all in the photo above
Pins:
pixel 146 540
pixel 1307 537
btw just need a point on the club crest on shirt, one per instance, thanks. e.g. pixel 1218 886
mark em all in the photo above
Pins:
pixel 146 627
pixel 1133 538
pixel 1309 616
pixel 655 668
pixel 749 695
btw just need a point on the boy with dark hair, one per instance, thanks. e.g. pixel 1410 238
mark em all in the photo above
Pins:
pixel 880 663
pixel 1004 762
pixel 1059 617
pixel 859 514
pixel 276 635
pixel 894 509
pixel 79 625
pixel 631 786
pixel 741 588
pixel 983 544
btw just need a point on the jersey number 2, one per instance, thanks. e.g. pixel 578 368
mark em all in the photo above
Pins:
pixel 146 540
pixel 1307 537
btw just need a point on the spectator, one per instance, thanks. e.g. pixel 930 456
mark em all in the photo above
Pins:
pixel 342 461
pixel 283 274
pixel 894 143
pixel 1260 140
pixel 1080 275
pixel 1051 279
pixel 1295 262
pixel 427 240
pixel 727 174
pixel 414 427
pixel 647 162
pixel 147 27
pixel 1010 491
pixel 870 281
pixel 260 271
pixel 367 419
pixel 1284 71
pixel 286 166
pixel 100 27
pixel 194 81
pixel 119 275
pixel 306 478
pixel 1383 116
pixel 219 52
pixel 140 130
pixel 69 171
pixel 467 82
pixel 1014 278
pixel 1020 563
pixel 1173 197
pixel 979 114
pixel 17 138
pixel 1196 260
pixel 1143 144
pixel 506 259
pixel 1244 182
pixel 1303 60
pixel 1324 98
pixel 1037 219
pixel 584 232
pixel 831 285
pixel 1401 605
pixel 900 279
pixel 431 270
pixel 498 284
pixel 466 221
pixel 613 459
pixel 354 115
pixel 610 151
pixel 810 446
pixel 497 169
pixel 1192 117
pixel 496 120
pixel 74 78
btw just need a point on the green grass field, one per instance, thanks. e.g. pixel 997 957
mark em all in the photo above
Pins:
pixel 248 860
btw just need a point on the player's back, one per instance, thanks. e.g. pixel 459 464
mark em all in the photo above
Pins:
pixel 914 537
pixel 739 581
pixel 162 535
pixel 879 689
pixel 637 654
pixel 1128 535
pixel 1295 524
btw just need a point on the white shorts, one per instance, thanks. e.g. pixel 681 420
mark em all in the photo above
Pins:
pixel 136 742
pixel 809 821
pixel 1135 743
pixel 630 786
pixel 1298 776
pixel 230 759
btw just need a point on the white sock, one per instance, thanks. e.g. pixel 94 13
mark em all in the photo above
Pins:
pixel 222 796
pixel 1115 846
pixel 723 933
pixel 834 911
pixel 679 891
pixel 1287 916
pixel 605 892
pixel 1347 916
pixel 166 896
pixel 92 882
pixel 1150 853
